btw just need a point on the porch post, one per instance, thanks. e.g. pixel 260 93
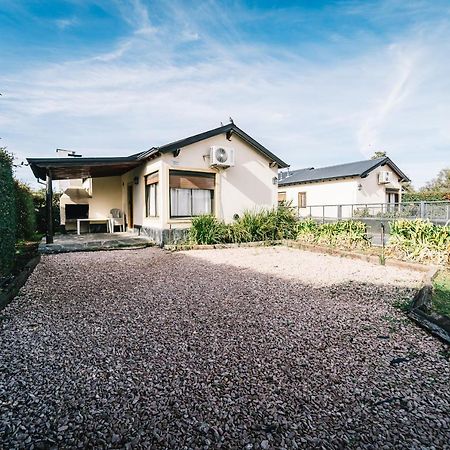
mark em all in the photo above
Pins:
pixel 49 208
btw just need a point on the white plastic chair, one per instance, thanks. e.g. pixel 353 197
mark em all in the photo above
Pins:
pixel 116 219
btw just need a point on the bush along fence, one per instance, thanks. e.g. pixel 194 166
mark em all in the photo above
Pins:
pixel 411 240
pixel 7 214
pixel 17 214
pixel 420 241
pixel 277 224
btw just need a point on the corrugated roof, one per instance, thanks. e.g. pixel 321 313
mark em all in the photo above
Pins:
pixel 353 169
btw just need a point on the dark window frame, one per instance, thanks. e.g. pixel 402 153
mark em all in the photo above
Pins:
pixel 147 193
pixel 195 174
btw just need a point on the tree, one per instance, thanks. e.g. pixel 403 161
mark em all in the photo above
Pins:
pixel 378 154
pixel 439 184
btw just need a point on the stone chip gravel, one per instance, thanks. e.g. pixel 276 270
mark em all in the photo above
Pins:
pixel 247 348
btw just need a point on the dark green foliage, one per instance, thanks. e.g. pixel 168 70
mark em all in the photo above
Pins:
pixel 207 230
pixel 41 214
pixel 7 213
pixel 425 196
pixel 25 213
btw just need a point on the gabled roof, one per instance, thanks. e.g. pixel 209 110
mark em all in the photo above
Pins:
pixel 348 170
pixel 63 168
pixel 230 129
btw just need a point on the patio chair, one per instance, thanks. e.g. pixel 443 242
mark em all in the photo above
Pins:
pixel 116 219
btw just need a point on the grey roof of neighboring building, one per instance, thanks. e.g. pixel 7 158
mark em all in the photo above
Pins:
pixel 348 170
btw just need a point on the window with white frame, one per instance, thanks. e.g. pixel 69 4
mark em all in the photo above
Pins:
pixel 151 194
pixel 191 193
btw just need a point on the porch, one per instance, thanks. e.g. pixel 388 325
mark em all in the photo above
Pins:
pixel 65 243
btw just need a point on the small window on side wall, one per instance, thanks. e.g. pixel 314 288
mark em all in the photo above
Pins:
pixel 281 198
pixel 151 194
pixel 302 199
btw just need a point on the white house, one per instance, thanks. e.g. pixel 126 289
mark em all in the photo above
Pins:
pixel 222 172
pixel 370 182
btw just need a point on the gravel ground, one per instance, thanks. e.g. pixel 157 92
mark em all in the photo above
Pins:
pixel 263 349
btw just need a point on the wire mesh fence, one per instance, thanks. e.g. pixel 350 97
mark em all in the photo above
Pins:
pixel 378 215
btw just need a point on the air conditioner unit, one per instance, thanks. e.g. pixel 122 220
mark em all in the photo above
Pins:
pixel 221 156
pixel 384 177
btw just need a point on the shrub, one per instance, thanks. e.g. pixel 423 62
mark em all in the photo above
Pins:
pixel 344 234
pixel 41 213
pixel 7 214
pixel 420 240
pixel 261 225
pixel 207 230
pixel 25 213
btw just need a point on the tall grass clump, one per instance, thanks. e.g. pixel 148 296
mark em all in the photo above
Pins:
pixel 420 240
pixel 252 226
pixel 207 229
pixel 347 234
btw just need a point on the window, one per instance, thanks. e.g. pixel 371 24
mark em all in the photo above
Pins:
pixel 151 194
pixel 191 193
pixel 281 197
pixel 302 199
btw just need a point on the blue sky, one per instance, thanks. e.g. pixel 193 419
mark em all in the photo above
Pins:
pixel 317 82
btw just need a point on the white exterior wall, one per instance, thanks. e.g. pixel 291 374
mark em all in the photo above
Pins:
pixel 336 192
pixel 372 192
pixel 106 195
pixel 247 185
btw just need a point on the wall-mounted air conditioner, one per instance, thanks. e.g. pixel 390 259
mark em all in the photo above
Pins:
pixel 384 177
pixel 221 156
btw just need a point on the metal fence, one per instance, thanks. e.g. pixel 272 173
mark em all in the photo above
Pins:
pixel 438 212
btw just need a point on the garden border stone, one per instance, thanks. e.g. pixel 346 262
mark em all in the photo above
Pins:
pixel 19 280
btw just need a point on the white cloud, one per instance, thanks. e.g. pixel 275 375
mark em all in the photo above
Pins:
pixel 145 92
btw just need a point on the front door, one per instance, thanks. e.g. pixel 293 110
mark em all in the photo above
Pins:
pixel 130 223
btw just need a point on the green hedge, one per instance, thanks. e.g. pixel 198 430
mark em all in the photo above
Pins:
pixel 420 240
pixel 7 214
pixel 25 213
pixel 429 196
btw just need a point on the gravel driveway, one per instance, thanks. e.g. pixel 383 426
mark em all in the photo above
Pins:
pixel 245 348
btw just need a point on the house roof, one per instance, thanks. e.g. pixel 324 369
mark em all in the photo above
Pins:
pixel 348 170
pixel 64 168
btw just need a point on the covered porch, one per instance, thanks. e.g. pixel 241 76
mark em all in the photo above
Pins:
pixel 88 171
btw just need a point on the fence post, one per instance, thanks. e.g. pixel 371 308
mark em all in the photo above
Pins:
pixel 422 210
pixel 323 214
pixel 339 212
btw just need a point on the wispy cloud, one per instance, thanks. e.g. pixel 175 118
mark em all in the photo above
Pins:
pixel 168 78
pixel 62 24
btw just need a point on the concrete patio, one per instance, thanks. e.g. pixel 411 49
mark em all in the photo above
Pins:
pixel 65 243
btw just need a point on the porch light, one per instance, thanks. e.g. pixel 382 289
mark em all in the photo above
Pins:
pixel 275 180
pixel 359 186
pixel 136 180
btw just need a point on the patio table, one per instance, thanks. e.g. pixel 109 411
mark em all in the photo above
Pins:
pixel 106 220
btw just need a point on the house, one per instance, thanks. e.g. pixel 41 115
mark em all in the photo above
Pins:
pixel 222 172
pixel 374 181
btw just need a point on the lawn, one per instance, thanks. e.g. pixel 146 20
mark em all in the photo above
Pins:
pixel 441 293
pixel 263 348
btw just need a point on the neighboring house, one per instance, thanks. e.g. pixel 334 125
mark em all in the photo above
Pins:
pixel 221 172
pixel 357 183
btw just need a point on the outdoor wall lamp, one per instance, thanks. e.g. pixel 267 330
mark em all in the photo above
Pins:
pixel 359 187
pixel 275 180
pixel 136 180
